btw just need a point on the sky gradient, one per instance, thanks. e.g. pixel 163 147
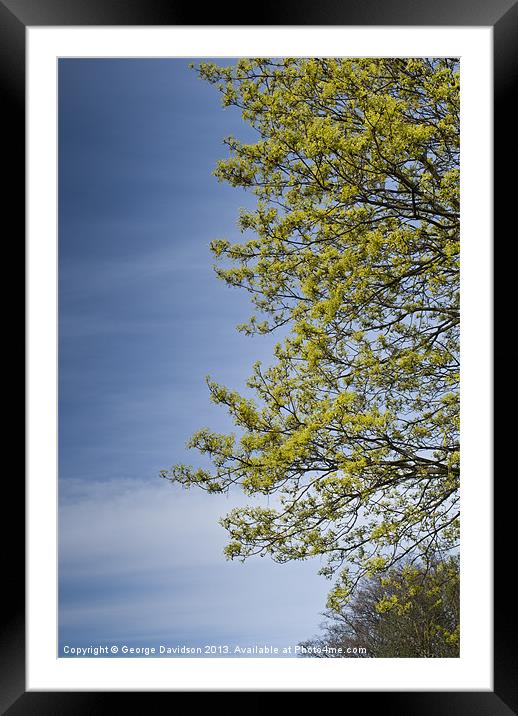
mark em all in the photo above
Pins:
pixel 142 320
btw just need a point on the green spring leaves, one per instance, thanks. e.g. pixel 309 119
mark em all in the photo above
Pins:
pixel 353 247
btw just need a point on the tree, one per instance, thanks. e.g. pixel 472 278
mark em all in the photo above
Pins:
pixel 352 251
pixel 412 612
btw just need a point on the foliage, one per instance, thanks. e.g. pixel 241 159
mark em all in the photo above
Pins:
pixel 353 248
pixel 411 612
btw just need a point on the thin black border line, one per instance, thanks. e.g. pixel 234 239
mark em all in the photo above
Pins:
pixel 56 209
pixel 15 16
pixel 140 57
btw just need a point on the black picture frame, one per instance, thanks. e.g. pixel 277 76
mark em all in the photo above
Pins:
pixel 15 16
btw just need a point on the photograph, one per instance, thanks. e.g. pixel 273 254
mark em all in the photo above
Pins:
pixel 258 346
pixel 259 295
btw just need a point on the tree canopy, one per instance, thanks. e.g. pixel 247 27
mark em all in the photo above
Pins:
pixel 352 251
pixel 412 612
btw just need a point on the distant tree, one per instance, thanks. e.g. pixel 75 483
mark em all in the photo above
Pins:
pixel 353 247
pixel 411 612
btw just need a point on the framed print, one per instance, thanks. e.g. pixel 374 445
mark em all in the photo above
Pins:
pixel 352 154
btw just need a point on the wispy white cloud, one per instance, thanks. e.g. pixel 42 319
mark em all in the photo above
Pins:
pixel 144 561
pixel 111 272
pixel 123 526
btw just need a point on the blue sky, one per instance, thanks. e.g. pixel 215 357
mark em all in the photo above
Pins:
pixel 142 320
